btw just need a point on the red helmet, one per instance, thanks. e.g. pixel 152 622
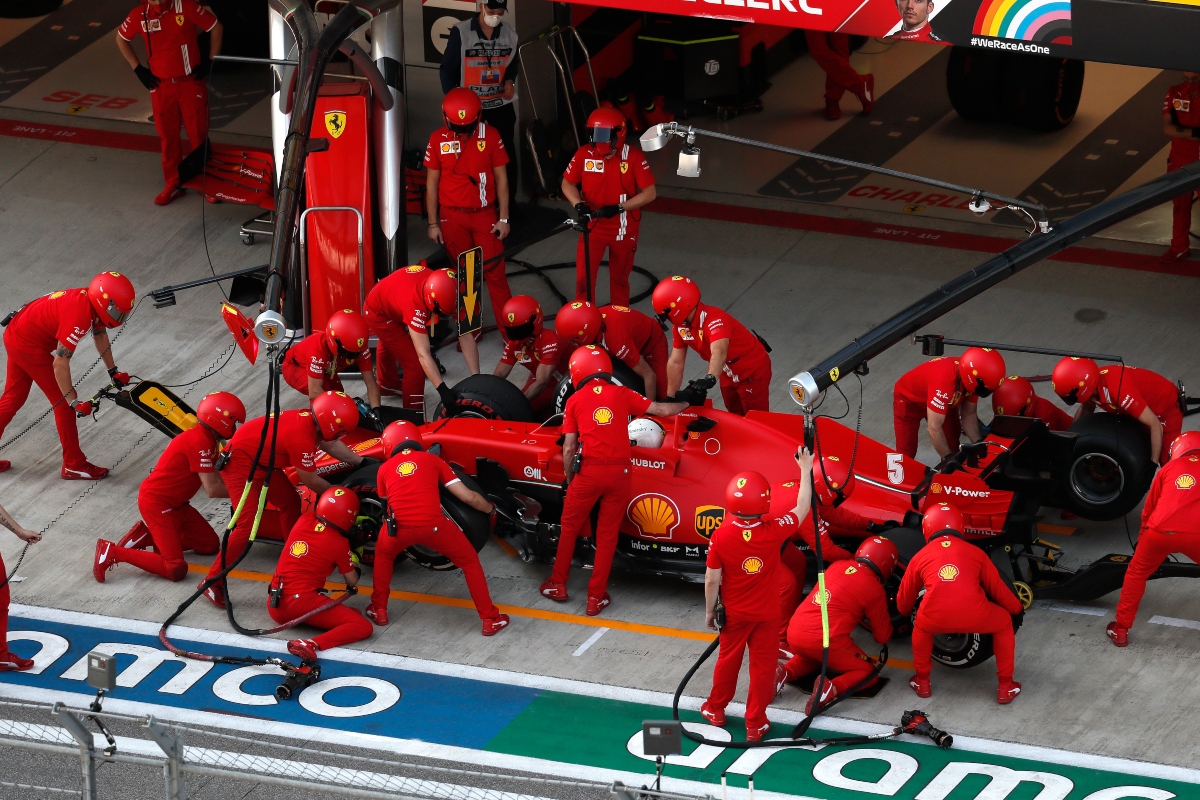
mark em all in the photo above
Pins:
pixel 401 433
pixel 748 495
pixel 1075 379
pixel 833 479
pixel 579 322
pixel 112 296
pixel 880 553
pixel 941 517
pixel 335 414
pixel 1185 442
pixel 338 508
pixel 346 333
pixel 981 370
pixel 589 362
pixel 606 130
pixel 221 411
pixel 522 318
pixel 1013 397
pixel 460 109
pixel 675 297
pixel 440 291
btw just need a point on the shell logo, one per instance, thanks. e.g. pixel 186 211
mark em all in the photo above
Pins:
pixel 298 549
pixel 936 488
pixel 56 295
pixel 414 268
pixel 654 515
pixel 619 308
pixel 789 484
pixel 820 597
pixel 602 415
pixel 406 468
pixel 1185 481
pixel 948 573
pixel 752 565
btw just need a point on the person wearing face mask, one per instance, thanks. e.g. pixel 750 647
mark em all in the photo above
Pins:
pixel 481 55
pixel 944 393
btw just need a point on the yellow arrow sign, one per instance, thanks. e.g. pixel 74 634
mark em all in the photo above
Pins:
pixel 472 296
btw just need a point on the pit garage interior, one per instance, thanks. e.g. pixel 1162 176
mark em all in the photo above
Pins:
pixel 808 255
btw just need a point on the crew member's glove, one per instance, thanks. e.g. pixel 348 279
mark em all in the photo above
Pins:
pixel 583 212
pixel 449 398
pixel 604 212
pixel 881 527
pixel 374 419
pixel 83 408
pixel 119 379
pixel 148 78
pixel 697 391
pixel 202 70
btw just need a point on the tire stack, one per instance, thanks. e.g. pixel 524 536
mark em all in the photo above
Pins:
pixel 1040 93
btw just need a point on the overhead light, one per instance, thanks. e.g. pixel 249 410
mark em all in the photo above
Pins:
pixel 689 162
pixel 655 138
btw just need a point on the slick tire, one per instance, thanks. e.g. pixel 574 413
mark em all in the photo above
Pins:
pixel 974 83
pixel 1110 468
pixel 622 375
pixel 474 524
pixel 1042 91
pixel 962 650
pixel 490 397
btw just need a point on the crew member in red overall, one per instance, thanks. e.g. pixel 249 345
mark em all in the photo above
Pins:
pixel 298 436
pixel 854 592
pixel 742 574
pixel 1015 397
pixel 608 182
pixel 733 352
pixel 169 521
pixel 467 189
pixel 626 334
pixel 176 75
pixel 914 22
pixel 410 481
pixel 318 544
pixel 831 51
pixel 537 348
pixel 963 593
pixel 943 393
pixel 10 661
pixel 1170 524
pixel 597 421
pixel 313 364
pixel 1142 394
pixel 40 339
pixel 1181 121
pixel 400 311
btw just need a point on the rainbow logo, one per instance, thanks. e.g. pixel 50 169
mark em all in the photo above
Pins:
pixel 1043 21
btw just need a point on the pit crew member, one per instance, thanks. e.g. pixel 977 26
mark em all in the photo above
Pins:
pixel 742 570
pixel 400 312
pixel 735 354
pixel 944 393
pixel 468 184
pixel 831 51
pixel 963 592
pixel 10 661
pixel 169 521
pixel 318 544
pixel 914 21
pixel 1181 121
pixel 625 334
pixel 1140 393
pixel 313 364
pixel 1016 397
pixel 597 421
pixel 298 436
pixel 539 349
pixel 1170 524
pixel 854 592
pixel 410 481
pixel 608 181
pixel 175 76
pixel 40 338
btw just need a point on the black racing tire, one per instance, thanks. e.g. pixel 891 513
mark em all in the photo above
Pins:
pixel 908 541
pixel 974 82
pixel 475 524
pixel 23 9
pixel 962 650
pixel 623 375
pixel 1042 92
pixel 1110 468
pixel 490 397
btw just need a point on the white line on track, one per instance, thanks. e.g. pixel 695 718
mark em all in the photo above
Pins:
pixel 1091 611
pixel 1175 622
pixel 595 637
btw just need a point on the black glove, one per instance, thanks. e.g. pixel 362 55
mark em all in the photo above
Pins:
pixel 604 212
pixel 147 77
pixel 583 211
pixel 881 527
pixel 373 420
pixel 202 70
pixel 697 390
pixel 449 398
pixel 1017 620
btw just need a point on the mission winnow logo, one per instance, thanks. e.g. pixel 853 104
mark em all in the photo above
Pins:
pixel 1028 26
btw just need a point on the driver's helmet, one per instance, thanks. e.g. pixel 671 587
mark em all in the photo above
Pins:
pixel 646 433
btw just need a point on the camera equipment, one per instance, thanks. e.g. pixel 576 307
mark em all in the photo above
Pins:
pixel 917 723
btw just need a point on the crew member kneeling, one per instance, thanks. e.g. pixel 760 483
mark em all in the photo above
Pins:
pixel 944 393
pixel 743 564
pixel 529 343
pixel 597 420
pixel 1016 397
pixel 1170 524
pixel 626 334
pixel 853 592
pixel 313 364
pixel 318 544
pixel 410 481
pixel 963 593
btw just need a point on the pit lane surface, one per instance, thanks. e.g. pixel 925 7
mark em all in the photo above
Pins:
pixel 71 210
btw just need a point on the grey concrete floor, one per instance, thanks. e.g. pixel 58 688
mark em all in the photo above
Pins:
pixel 68 211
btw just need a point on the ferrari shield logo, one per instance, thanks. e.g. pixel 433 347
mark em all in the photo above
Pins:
pixel 481 144
pixel 179 20
pixel 624 167
pixel 747 535
pixel 462 114
pixel 335 123
pixel 270 330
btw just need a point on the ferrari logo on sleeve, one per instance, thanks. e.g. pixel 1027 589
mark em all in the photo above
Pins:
pixel 335 123
pixel 450 147
pixel 752 565
pixel 481 144
pixel 298 549
pixel 593 165
pixel 602 415
pixel 948 573
pixel 406 468
pixel 1185 481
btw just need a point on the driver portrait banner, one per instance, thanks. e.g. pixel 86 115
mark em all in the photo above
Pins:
pixel 470 291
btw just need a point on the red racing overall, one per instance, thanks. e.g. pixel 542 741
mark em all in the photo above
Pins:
pixel 1170 524
pixel 410 481
pixel 310 358
pixel 629 335
pixel 831 51
pixel 1130 390
pixel 599 413
pixel 312 551
pixel 545 348
pixel 794 574
pixel 467 207
pixel 746 377
pixel 964 593
pixel 747 553
pixel 169 31
pixel 608 181
pixel 395 305
pixel 1055 418
pixel 1183 104
pixel 932 386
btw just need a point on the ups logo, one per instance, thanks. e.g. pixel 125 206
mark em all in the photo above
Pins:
pixel 708 519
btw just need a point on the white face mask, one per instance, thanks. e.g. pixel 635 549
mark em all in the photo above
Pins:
pixel 492 20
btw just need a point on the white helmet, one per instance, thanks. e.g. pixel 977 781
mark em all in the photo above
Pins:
pixel 646 433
